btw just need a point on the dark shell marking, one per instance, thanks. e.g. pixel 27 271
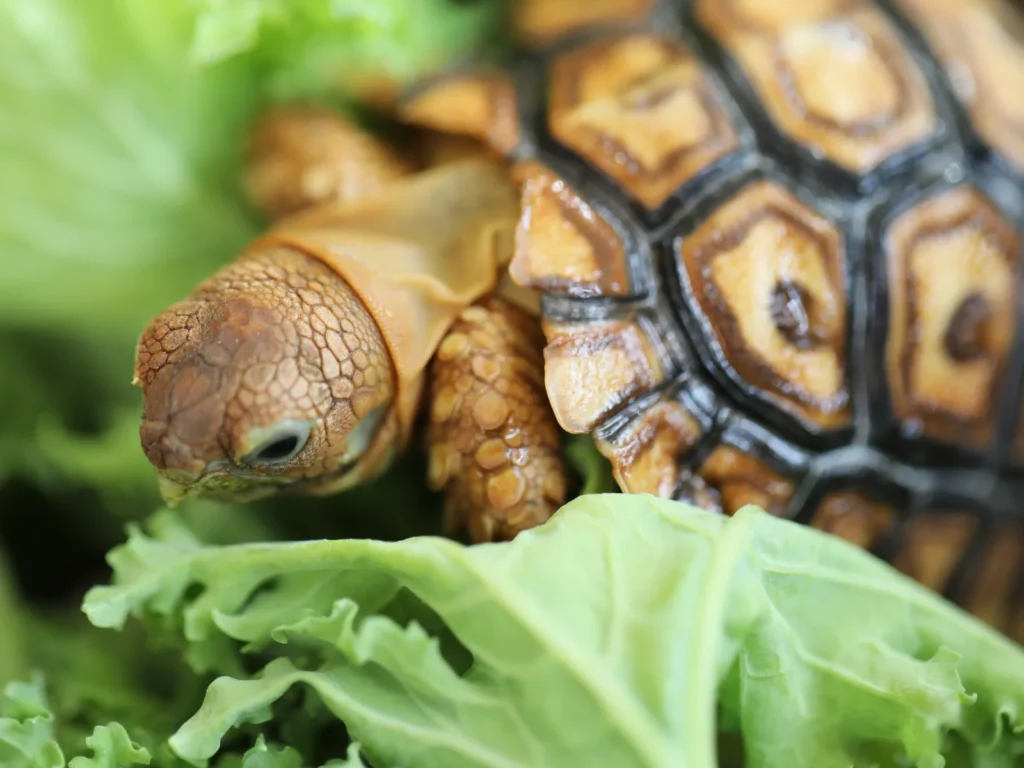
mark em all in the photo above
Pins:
pixel 778 246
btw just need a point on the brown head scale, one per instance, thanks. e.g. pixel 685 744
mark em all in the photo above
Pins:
pixel 271 375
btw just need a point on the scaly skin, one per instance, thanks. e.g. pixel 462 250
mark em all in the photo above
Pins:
pixel 277 346
pixel 492 441
pixel 273 336
pixel 299 157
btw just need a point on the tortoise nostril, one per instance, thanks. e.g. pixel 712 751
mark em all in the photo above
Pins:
pixel 165 450
pixel 151 435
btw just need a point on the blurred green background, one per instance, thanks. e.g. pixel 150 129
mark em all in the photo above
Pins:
pixel 121 130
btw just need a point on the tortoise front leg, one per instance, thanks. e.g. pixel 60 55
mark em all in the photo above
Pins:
pixel 299 157
pixel 492 438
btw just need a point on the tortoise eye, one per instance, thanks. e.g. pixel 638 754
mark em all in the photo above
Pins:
pixel 283 443
pixel 279 450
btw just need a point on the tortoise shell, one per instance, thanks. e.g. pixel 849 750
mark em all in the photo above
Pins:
pixel 778 245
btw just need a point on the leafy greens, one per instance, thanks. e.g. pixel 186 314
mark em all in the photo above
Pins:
pixel 327 47
pixel 628 631
pixel 623 632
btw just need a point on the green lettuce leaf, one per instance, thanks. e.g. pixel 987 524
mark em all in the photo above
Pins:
pixel 107 698
pixel 120 162
pixel 33 736
pixel 593 469
pixel 264 755
pixel 626 631
pixel 112 748
pixel 327 47
pixel 28 735
pixel 26 727
pixel 124 157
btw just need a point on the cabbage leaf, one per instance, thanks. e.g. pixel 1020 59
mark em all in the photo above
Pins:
pixel 626 631
pixel 28 738
pixel 329 48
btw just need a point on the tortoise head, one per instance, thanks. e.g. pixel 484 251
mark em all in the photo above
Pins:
pixel 271 376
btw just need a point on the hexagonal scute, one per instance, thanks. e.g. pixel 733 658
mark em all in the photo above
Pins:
pixel 853 516
pixel 647 453
pixel 994 594
pixel 562 245
pixel 540 22
pixel 981 45
pixel 730 479
pixel 932 544
pixel 479 105
pixel 937 543
pixel 641 109
pixel 832 74
pixel 593 368
pixel 952 266
pixel 766 277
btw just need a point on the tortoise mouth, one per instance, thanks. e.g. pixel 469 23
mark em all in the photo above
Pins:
pixel 219 483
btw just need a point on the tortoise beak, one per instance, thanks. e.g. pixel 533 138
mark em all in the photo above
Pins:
pixel 174 492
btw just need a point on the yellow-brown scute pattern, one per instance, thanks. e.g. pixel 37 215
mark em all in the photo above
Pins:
pixel 641 109
pixel 780 263
pixel 767 272
pixel 981 46
pixel 952 269
pixel 833 76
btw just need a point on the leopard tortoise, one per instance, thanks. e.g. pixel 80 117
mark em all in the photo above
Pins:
pixel 763 251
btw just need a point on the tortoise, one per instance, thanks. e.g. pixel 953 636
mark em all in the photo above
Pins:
pixel 763 251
